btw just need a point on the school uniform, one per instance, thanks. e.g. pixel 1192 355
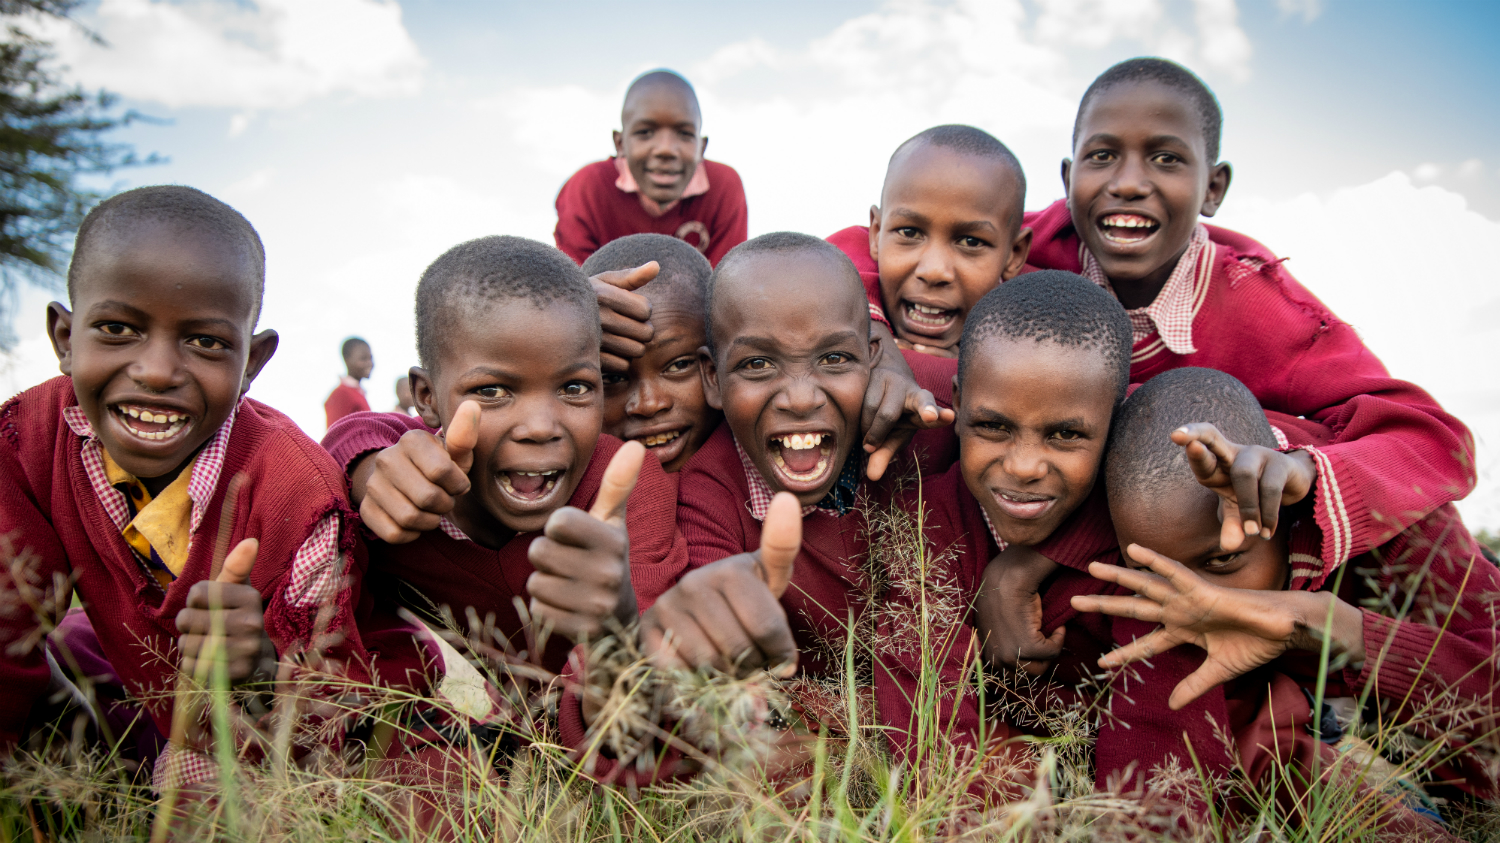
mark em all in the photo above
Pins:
pixel 346 398
pixel 68 512
pixel 602 202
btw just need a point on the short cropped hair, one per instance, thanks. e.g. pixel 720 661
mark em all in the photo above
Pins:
pixel 1052 306
pixel 780 242
pixel 496 269
pixel 173 204
pixel 1142 456
pixel 967 140
pixel 1168 75
pixel 350 344
pixel 682 266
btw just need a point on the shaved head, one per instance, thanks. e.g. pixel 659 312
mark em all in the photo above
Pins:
pixel 660 81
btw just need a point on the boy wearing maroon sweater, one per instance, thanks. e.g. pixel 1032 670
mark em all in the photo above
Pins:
pixel 658 180
pixel 1145 166
pixel 130 477
pixel 947 230
pixel 1409 626
pixel 521 437
pixel 349 396
pixel 658 399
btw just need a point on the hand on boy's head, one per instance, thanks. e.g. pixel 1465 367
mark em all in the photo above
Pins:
pixel 406 489
pixel 624 315
pixel 247 650
pixel 1240 629
pixel 582 576
pixel 1009 611
pixel 728 615
pixel 1253 482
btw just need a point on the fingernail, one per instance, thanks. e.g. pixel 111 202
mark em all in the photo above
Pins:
pixel 1266 533
pixel 1251 527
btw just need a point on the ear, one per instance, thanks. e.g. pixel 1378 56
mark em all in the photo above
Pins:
pixel 424 396
pixel 619 144
pixel 1218 186
pixel 1067 176
pixel 703 147
pixel 60 331
pixel 957 397
pixel 708 370
pixel 875 233
pixel 262 346
pixel 1020 249
pixel 877 349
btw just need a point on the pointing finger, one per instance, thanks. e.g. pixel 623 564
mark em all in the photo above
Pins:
pixel 619 479
pixel 780 540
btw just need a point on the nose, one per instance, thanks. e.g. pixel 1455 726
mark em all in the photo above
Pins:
pixel 801 396
pixel 663 145
pixel 1131 180
pixel 647 400
pixel 1026 462
pixel 538 422
pixel 935 266
pixel 158 367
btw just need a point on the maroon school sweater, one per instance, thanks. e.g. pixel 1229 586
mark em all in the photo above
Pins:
pixel 49 510
pixel 439 570
pixel 592 211
pixel 342 401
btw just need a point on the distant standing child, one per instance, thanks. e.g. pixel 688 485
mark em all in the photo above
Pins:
pixel 349 396
pixel 404 403
pixel 658 180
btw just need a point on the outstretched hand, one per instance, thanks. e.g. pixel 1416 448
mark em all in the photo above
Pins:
pixel 895 408
pixel 1252 482
pixel 248 651
pixel 582 560
pixel 406 489
pixel 624 315
pixel 728 614
pixel 1239 629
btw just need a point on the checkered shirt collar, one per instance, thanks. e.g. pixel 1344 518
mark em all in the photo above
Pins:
pixel 1170 315
pixel 447 526
pixel 206 467
pixel 839 500
pixel 999 542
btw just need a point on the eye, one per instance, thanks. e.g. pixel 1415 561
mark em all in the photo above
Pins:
pixel 117 329
pixel 680 365
pixel 835 358
pixel 492 392
pixel 687 135
pixel 208 343
pixel 1167 158
pixel 909 232
pixel 1067 435
pixel 1221 563
pixel 612 379
pixel 756 364
pixel 1100 156
pixel 972 242
pixel 576 389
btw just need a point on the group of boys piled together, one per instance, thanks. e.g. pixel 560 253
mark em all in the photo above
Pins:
pixel 1149 435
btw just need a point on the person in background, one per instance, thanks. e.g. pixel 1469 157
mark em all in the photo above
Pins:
pixel 349 396
pixel 404 403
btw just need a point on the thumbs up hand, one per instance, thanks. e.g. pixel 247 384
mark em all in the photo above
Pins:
pixel 404 490
pixel 728 614
pixel 248 652
pixel 582 560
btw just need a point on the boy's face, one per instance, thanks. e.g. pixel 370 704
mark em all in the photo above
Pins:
pixel 360 362
pixel 1182 523
pixel 659 400
pixel 541 405
pixel 1140 178
pixel 660 140
pixel 948 231
pixel 794 358
pixel 1033 418
pixel 158 343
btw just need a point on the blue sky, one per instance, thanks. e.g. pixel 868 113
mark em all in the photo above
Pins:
pixel 364 137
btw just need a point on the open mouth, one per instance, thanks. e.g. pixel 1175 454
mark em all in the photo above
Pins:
pixel 924 316
pixel 151 424
pixel 1024 506
pixel 530 487
pixel 664 178
pixel 1128 229
pixel 804 460
pixel 666 445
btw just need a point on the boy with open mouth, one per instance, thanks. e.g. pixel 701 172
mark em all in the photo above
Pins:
pixel 126 481
pixel 1409 624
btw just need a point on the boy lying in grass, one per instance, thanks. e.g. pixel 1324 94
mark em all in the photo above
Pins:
pixel 1404 635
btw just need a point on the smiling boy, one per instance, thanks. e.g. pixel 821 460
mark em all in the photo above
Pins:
pixel 948 229
pixel 1410 623
pixel 658 400
pixel 658 180
pixel 128 478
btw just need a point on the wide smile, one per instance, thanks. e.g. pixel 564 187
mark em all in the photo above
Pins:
pixel 666 444
pixel 802 461
pixel 1023 506
pixel 145 423
pixel 1127 230
pixel 528 490
pixel 929 319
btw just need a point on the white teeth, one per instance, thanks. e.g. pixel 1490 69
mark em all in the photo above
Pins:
pixel 801 441
pixel 660 438
pixel 922 308
pixel 535 473
pixel 1121 221
pixel 134 413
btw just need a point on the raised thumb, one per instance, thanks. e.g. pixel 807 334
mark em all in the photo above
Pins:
pixel 462 434
pixel 638 277
pixel 780 540
pixel 619 479
pixel 237 564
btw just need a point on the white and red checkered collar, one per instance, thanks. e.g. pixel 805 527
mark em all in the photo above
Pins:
pixel 760 491
pixel 447 526
pixel 206 467
pixel 1170 315
pixel 999 542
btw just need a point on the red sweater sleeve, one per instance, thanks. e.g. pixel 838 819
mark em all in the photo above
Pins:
pixel 707 495
pixel 730 222
pixel 354 436
pixel 575 233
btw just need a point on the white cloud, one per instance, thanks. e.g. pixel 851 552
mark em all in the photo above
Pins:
pixel 1225 46
pixel 1471 168
pixel 1308 10
pixel 1426 171
pixel 248 56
